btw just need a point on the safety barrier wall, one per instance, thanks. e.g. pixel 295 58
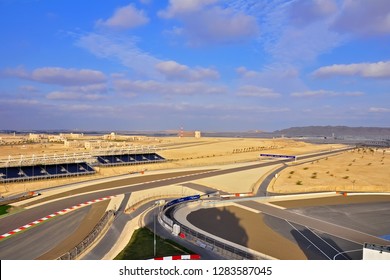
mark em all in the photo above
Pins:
pixel 82 246
pixel 207 242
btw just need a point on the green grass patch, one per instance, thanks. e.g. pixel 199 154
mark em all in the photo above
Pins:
pixel 141 246
pixel 4 209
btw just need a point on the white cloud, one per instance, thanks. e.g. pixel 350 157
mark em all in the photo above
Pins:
pixel 300 46
pixel 88 92
pixel 180 7
pixel 139 87
pixel 61 76
pixel 255 91
pixel 205 23
pixel 280 71
pixel 175 71
pixel 28 88
pixel 245 73
pixel 89 110
pixel 121 48
pixel 379 110
pixel 19 102
pixel 364 18
pixel 58 75
pixel 321 93
pixel 220 26
pixel 125 17
pixel 305 12
pixel 143 64
pixel 73 95
pixel 207 110
pixel 379 69
pixel 17 72
pixel 295 45
pixel 271 77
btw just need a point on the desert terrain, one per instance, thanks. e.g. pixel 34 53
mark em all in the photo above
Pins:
pixel 356 170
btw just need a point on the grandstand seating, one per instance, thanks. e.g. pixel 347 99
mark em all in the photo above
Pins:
pixel 32 171
pixel 87 167
pixel 52 169
pixel 128 159
pixel 25 173
pixel 71 168
pixel 44 171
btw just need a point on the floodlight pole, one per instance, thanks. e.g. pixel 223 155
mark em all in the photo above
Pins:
pixel 154 232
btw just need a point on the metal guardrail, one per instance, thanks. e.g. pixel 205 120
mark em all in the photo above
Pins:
pixel 89 157
pixel 83 245
pixel 27 160
pixel 212 244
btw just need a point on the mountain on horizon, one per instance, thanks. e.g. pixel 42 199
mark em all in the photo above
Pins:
pixel 335 131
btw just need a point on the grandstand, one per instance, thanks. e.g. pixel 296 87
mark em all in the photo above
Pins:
pixel 35 172
pixel 127 159
pixel 127 156
pixel 26 168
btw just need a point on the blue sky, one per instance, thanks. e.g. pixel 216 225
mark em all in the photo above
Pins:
pixel 210 65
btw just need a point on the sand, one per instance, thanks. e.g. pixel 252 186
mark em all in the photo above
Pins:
pixel 185 152
pixel 359 170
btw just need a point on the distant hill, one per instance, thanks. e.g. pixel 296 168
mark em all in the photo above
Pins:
pixel 335 131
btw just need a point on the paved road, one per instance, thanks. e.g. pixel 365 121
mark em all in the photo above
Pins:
pixel 268 229
pixel 263 188
pixel 114 188
pixel 118 187
pixel 34 242
pixel 330 228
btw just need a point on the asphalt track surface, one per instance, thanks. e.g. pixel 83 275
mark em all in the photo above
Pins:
pixel 119 186
pixel 262 190
pixel 116 187
pixel 30 244
pixel 321 232
pixel 323 226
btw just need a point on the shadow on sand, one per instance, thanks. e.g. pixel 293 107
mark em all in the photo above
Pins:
pixel 220 222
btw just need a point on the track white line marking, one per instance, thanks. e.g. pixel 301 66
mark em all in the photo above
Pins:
pixel 62 212
pixel 308 240
pixel 342 253
pixel 338 252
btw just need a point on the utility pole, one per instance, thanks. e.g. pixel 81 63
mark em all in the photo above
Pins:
pixel 154 232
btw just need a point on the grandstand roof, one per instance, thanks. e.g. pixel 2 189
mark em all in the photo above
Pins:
pixel 26 160
pixel 90 157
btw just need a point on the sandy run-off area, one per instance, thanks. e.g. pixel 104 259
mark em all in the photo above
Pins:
pixel 191 152
pixel 358 170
